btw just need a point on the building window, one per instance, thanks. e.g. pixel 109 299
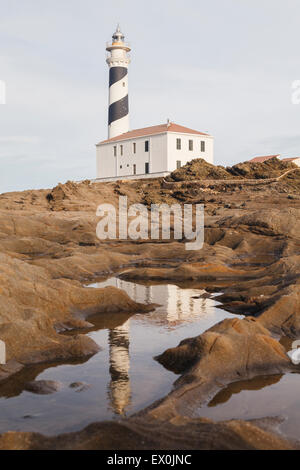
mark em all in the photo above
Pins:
pixel 178 164
pixel 178 144
pixel 202 146
pixel 115 150
pixel 120 166
pixel 134 169
pixel 147 167
pixel 146 145
pixel 123 83
pixel 127 165
pixel 121 149
pixel 134 147
pixel 191 145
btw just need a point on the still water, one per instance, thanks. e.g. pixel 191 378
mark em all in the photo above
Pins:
pixel 122 377
pixel 274 396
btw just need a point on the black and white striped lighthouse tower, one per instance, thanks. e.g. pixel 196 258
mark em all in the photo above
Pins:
pixel 118 61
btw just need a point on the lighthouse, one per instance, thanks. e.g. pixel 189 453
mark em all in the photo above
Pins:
pixel 118 61
pixel 147 152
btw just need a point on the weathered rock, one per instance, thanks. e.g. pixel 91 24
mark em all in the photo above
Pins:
pixel 199 169
pixel 80 386
pixel 43 387
pixel 269 222
pixel 283 316
pixel 226 352
pixel 32 304
pixel 48 248
pixel 141 434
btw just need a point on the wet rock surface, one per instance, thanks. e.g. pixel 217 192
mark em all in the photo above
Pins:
pixel 80 386
pixel 223 354
pixel 139 434
pixel 49 249
pixel 43 387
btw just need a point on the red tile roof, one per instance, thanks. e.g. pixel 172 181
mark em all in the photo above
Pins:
pixel 171 127
pixel 263 158
pixel 290 159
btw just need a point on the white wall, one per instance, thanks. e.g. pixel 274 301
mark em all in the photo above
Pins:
pixel 122 165
pixel 162 155
pixel 128 159
pixel 106 163
pixel 185 155
pixel 158 153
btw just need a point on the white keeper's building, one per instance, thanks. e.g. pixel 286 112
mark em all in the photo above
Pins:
pixel 152 151
pixel 141 153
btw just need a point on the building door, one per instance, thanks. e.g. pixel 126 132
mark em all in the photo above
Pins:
pixel 147 167
pixel 134 169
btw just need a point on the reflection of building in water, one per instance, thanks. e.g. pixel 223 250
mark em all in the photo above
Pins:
pixel 119 387
pixel 178 305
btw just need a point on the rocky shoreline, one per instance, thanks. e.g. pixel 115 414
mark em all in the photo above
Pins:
pixel 49 250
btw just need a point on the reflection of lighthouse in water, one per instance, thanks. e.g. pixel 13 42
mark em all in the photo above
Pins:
pixel 119 387
pixel 177 306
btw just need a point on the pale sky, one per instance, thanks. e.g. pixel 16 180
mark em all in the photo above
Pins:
pixel 225 67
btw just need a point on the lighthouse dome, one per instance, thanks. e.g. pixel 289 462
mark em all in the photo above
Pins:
pixel 118 36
